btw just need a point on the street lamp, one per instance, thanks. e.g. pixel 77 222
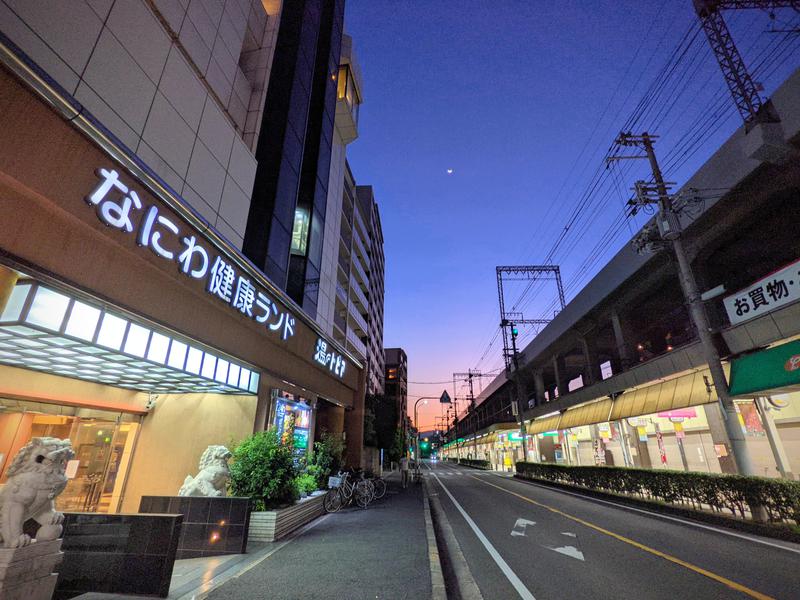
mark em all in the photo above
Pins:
pixel 424 400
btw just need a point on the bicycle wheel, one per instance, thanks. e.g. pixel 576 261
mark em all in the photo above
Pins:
pixel 332 500
pixel 380 488
pixel 362 494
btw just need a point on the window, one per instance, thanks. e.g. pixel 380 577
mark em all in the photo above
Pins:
pixel 346 90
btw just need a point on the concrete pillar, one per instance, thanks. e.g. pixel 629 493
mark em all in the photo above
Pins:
pixel 623 349
pixel 538 385
pixel 774 438
pixel 592 371
pixel 354 425
pixel 560 370
pixel 8 279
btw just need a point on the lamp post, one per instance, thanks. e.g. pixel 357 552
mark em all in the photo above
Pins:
pixel 424 400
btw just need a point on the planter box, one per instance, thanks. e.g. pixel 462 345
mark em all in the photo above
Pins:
pixel 272 525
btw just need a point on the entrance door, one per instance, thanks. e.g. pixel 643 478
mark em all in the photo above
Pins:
pixel 95 475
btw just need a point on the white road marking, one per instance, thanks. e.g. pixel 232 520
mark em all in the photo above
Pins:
pixel 569 534
pixel 520 525
pixel 669 518
pixel 515 581
pixel 570 551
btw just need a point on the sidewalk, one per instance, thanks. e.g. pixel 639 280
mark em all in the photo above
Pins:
pixel 355 554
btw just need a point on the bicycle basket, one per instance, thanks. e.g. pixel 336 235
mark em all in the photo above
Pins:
pixel 334 482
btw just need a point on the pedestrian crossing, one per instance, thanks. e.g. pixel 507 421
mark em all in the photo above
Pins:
pixel 453 473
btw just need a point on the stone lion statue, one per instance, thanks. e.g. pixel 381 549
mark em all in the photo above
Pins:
pixel 213 476
pixel 35 477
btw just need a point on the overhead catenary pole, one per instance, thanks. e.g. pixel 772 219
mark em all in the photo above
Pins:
pixel 670 229
pixel 520 393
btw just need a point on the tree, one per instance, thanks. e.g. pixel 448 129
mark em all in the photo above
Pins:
pixel 383 421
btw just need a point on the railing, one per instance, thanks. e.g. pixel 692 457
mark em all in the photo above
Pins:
pixel 360 270
pixel 356 344
pixel 341 293
pixel 360 321
pixel 355 287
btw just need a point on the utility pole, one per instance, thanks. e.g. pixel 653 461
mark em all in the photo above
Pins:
pixel 468 376
pixel 669 229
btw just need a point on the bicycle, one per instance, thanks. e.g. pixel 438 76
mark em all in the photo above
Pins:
pixel 344 491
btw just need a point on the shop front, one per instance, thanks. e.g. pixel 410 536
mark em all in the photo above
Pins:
pixel 130 326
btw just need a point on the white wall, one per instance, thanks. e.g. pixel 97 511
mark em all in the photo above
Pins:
pixel 167 84
pixel 326 304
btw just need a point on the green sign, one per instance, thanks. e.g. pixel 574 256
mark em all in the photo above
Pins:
pixel 771 369
pixel 515 437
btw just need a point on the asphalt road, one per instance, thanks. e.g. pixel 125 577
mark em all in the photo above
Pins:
pixel 526 541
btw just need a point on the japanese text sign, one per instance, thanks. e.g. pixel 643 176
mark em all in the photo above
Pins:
pixel 120 207
pixel 767 294
pixel 335 362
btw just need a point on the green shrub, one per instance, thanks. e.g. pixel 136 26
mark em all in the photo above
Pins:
pixel 477 463
pixel 305 483
pixel 731 493
pixel 326 458
pixel 262 469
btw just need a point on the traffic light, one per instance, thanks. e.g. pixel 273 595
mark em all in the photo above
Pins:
pixel 423 445
pixel 514 330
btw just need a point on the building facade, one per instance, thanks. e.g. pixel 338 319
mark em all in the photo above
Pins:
pixel 372 310
pixel 135 319
pixel 286 221
pixel 396 384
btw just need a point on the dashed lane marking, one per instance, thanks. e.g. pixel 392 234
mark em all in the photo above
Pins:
pixel 718 578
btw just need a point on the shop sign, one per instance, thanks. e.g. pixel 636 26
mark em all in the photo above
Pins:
pixel 679 432
pixel 515 437
pixel 765 295
pixel 120 207
pixel 335 362
pixel 642 433
pixel 680 413
pixel 777 367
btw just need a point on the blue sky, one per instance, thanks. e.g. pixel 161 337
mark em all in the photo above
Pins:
pixel 521 99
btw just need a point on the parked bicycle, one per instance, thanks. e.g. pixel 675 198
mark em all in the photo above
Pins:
pixel 348 487
pixel 345 489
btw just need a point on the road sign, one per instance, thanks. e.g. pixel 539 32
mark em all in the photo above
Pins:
pixel 445 398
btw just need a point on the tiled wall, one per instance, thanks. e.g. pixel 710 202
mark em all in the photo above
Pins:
pixel 167 82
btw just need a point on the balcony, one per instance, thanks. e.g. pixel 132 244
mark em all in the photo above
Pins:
pixel 347 102
pixel 359 220
pixel 360 271
pixel 361 249
pixel 357 294
pixel 341 293
pixel 340 321
pixel 357 321
pixel 355 344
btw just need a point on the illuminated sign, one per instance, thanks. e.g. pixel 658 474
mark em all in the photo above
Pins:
pixel 335 362
pixel 117 205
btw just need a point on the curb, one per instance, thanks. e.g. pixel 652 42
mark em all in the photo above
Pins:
pixel 462 580
pixel 438 589
pixel 784 533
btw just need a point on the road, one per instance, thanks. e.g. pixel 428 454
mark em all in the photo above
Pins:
pixel 522 540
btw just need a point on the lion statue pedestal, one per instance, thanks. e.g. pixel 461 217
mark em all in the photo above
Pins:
pixel 35 477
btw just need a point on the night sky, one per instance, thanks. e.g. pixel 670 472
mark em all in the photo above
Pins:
pixel 522 100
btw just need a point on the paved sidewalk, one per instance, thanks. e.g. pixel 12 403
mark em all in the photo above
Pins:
pixel 355 554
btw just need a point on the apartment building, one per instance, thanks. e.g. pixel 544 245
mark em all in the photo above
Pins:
pixel 163 232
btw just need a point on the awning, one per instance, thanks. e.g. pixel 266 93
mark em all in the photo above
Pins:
pixel 545 424
pixel 680 392
pixel 776 369
pixel 586 414
pixel 45 330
